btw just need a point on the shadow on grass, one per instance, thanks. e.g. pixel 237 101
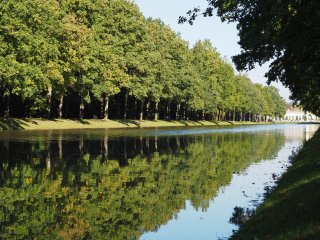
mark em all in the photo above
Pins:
pixel 82 121
pixel 14 124
pixel 128 122
pixel 190 123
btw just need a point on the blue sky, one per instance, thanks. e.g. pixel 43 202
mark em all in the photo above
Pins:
pixel 222 35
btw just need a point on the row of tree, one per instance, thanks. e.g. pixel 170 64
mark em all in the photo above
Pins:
pixel 87 58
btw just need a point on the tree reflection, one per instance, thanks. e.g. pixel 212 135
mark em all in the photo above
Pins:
pixel 81 187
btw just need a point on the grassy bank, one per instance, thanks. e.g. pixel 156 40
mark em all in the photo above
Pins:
pixel 42 124
pixel 292 210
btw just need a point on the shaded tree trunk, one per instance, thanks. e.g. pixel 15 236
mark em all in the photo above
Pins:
pixel 81 108
pixel 141 110
pixel 169 110
pixel 184 112
pixel 125 105
pixel 60 107
pixel 148 109
pixel 49 100
pixel 135 109
pixel 105 113
pixel 156 114
pixel 7 111
pixel 178 112
pixel 67 107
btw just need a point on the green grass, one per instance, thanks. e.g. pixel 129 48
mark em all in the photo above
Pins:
pixel 43 124
pixel 292 210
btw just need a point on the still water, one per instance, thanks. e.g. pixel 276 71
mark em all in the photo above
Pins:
pixel 138 184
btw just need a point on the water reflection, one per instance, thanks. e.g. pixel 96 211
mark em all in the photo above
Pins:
pixel 93 185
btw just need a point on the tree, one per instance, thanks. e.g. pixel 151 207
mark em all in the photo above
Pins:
pixel 283 32
pixel 77 57
pixel 206 60
pixel 28 49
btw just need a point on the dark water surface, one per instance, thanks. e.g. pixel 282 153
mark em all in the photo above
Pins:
pixel 138 184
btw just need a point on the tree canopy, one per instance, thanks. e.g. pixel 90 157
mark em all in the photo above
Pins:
pixel 103 58
pixel 284 33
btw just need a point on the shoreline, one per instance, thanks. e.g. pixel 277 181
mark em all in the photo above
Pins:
pixel 65 124
pixel 291 210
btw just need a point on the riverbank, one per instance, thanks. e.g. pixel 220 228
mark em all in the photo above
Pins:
pixel 292 210
pixel 45 124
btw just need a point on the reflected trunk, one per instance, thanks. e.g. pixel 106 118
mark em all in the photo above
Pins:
pixel 156 143
pixel 60 147
pixel 105 147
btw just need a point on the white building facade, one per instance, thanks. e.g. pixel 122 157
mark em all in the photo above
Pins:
pixel 294 114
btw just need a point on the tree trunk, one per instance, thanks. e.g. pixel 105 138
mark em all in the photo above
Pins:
pixel 186 113
pixel 7 111
pixel 81 108
pixel 125 105
pixel 60 107
pixel 203 116
pixel 169 110
pixel 67 108
pixel 135 109
pixel 105 107
pixel 234 114
pixel 178 112
pixel 141 110
pixel 156 115
pixel 148 109
pixel 49 98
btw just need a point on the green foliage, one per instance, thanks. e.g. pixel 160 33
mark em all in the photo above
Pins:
pixel 91 51
pixel 282 32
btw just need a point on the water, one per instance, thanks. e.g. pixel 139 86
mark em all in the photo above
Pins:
pixel 138 184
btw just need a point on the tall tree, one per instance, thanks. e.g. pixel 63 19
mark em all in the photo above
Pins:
pixel 283 32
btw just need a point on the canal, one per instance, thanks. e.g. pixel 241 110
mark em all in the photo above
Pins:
pixel 139 184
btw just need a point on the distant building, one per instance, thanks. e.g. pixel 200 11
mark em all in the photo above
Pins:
pixel 296 114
